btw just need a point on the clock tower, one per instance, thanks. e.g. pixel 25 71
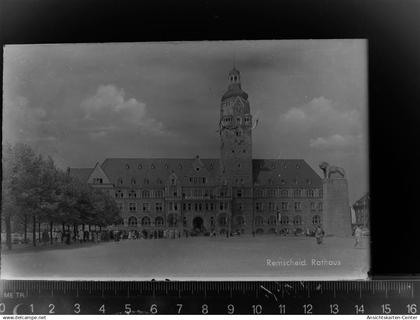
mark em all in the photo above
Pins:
pixel 236 134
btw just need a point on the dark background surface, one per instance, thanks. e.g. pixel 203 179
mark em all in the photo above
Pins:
pixel 391 27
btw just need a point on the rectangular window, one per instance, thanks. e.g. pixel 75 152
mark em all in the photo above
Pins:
pixel 284 206
pixel 313 206
pixel 320 206
pixel 298 206
pixel 132 206
pixel 259 206
pixel 189 206
pixel 159 207
pixel 239 193
pixel 271 206
pixel 211 206
pixel 146 207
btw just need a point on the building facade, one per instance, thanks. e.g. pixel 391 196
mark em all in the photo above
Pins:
pixel 234 193
pixel 361 210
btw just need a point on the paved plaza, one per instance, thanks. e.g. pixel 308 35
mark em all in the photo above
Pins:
pixel 263 257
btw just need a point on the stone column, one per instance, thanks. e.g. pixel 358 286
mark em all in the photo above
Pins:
pixel 336 209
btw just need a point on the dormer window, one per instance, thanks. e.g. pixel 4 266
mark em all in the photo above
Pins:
pixel 97 180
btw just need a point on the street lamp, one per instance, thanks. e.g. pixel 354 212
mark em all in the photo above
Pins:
pixel 182 213
pixel 278 217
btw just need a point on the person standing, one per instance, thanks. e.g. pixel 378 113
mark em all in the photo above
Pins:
pixel 319 234
pixel 357 236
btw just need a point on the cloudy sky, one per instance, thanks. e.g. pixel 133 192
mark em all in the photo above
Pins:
pixel 82 103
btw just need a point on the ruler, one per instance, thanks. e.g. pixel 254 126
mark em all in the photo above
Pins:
pixel 155 297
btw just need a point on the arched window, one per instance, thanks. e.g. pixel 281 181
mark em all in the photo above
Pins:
pixel 272 220
pixel 145 221
pixel 284 220
pixel 132 222
pixel 311 193
pixel 132 194
pixel 239 220
pixel 158 221
pixel 259 221
pixel 158 194
pixel 284 192
pixel 297 220
pixel 316 220
pixel 145 194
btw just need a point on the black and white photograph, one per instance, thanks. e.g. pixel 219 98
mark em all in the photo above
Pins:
pixel 201 160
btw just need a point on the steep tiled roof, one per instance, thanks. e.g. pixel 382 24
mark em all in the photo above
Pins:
pixel 234 91
pixel 80 173
pixel 158 171
pixel 280 172
pixel 363 201
pixel 284 172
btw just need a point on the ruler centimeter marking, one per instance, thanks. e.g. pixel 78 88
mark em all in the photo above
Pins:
pixel 348 297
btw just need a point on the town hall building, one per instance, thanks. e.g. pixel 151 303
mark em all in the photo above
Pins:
pixel 232 194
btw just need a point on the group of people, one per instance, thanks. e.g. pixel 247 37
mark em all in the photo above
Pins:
pixel 358 233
